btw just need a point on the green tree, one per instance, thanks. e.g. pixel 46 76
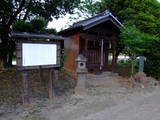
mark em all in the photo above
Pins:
pixel 144 14
pixel 140 44
pixel 22 26
pixel 37 25
pixel 86 9
pixel 13 10
pixel 131 38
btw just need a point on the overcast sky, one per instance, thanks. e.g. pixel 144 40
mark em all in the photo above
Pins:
pixel 62 23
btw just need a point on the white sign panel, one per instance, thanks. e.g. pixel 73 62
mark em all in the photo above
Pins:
pixel 39 54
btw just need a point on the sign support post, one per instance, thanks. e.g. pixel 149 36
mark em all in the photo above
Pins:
pixel 51 84
pixel 25 90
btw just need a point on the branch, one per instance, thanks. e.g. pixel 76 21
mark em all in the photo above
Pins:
pixel 16 13
pixel 27 10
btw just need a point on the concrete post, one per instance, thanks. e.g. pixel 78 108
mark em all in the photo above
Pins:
pixel 141 63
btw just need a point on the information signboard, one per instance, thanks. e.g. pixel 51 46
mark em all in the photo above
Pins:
pixel 37 54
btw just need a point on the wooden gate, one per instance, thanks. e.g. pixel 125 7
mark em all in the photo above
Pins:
pixel 94 59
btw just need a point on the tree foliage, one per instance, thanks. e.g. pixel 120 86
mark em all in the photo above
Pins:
pixel 135 40
pixel 86 9
pixel 142 44
pixel 144 14
pixel 47 9
pixel 22 26
pixel 37 25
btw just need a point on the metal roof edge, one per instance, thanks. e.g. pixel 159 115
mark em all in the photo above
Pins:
pixel 34 35
pixel 117 20
pixel 69 29
pixel 119 24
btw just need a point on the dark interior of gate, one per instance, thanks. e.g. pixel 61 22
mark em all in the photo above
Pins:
pixel 99 44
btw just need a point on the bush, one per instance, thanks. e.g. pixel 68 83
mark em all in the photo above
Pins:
pixel 62 59
pixel 22 26
pixel 124 62
pixel 38 24
pixel 152 67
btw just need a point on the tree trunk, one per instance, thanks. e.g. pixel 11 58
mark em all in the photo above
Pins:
pixel 116 57
pixel 11 49
pixel 119 50
pixel 132 67
pixel 4 45
pixel 28 10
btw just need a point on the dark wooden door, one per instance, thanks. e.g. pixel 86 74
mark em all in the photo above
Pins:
pixel 93 54
pixel 94 59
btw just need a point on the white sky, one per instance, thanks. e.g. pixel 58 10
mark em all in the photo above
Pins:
pixel 64 22
pixel 60 23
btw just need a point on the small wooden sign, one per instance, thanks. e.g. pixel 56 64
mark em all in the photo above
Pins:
pixel 32 54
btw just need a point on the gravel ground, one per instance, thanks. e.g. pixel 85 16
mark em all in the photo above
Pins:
pixel 109 97
pixel 136 107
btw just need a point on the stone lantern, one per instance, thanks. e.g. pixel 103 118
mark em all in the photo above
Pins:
pixel 81 75
pixel 81 64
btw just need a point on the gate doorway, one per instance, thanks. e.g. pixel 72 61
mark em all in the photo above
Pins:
pixel 97 54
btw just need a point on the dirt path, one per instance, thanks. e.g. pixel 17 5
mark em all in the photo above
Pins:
pixel 139 107
pixel 108 99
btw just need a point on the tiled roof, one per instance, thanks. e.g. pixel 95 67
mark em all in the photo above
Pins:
pixel 93 21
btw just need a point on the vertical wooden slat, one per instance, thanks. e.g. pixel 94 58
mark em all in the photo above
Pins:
pixel 86 45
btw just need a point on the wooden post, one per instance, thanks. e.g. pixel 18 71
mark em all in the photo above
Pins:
pixel 114 57
pixel 106 55
pixel 25 91
pixel 41 75
pixel 51 84
pixel 56 80
pixel 101 66
pixel 86 45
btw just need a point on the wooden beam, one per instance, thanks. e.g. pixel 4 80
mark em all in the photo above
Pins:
pixel 95 37
pixel 89 36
